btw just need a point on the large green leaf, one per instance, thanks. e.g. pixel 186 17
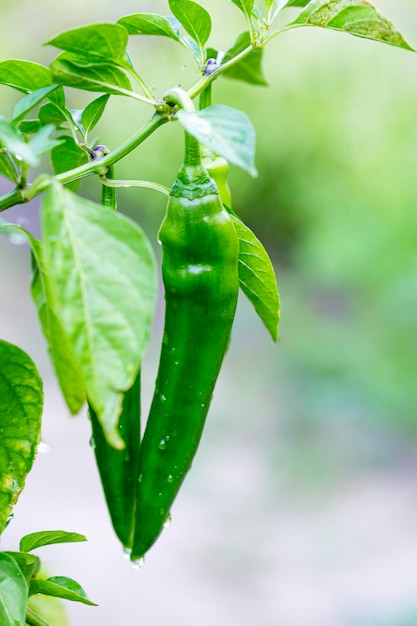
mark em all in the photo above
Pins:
pixel 149 24
pixel 63 359
pixel 21 403
pixel 248 69
pixel 13 592
pixel 194 18
pixel 66 367
pixel 76 72
pixel 257 277
pixel 357 17
pixel 60 587
pixel 47 538
pixel 225 131
pixel 102 274
pixel 96 42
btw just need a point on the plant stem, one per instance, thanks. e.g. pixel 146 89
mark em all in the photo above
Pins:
pixel 34 620
pixel 290 26
pixel 205 98
pixel 135 183
pixel 141 83
pixel 205 81
pixel 19 196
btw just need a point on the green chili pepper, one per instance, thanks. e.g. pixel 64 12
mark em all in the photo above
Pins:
pixel 200 274
pixel 118 469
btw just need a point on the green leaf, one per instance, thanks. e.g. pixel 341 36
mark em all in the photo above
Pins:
pixel 246 6
pixel 29 127
pixel 194 18
pixel 250 68
pixel 296 3
pixel 65 365
pixel 149 24
pixel 357 17
pixel 50 113
pixel 27 77
pixel 14 142
pixel 66 368
pixel 13 592
pixel 225 131
pixel 76 72
pixel 31 100
pixel 269 3
pixel 29 563
pixel 21 403
pixel 257 277
pixel 67 155
pixel 92 113
pixel 24 76
pixel 96 42
pixel 102 272
pixel 47 538
pixel 60 587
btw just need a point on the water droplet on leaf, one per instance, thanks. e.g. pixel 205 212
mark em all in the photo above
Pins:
pixel 126 553
pixel 43 447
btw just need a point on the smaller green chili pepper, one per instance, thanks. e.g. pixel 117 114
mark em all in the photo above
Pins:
pixel 118 469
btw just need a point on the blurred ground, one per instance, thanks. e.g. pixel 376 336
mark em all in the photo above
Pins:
pixel 301 506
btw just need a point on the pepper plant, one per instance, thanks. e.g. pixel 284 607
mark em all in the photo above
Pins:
pixel 94 275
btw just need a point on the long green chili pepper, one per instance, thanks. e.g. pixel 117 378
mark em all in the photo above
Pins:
pixel 200 274
pixel 118 469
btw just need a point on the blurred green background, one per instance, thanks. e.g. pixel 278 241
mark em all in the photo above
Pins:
pixel 303 502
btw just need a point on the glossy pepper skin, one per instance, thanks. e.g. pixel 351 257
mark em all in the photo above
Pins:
pixel 118 469
pixel 200 275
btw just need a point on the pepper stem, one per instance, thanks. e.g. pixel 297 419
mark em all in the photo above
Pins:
pixel 193 171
